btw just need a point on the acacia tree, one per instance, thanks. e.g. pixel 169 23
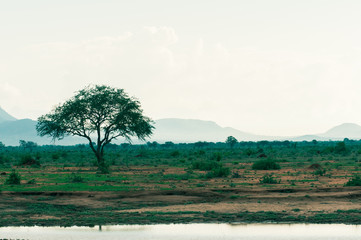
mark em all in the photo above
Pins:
pixel 100 114
pixel 231 141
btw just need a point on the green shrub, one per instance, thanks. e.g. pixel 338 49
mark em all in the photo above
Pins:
pixel 249 152
pixel 340 148
pixel 319 172
pixel 14 178
pixel 64 154
pixel 76 178
pixel 354 181
pixel 266 164
pixel 216 156
pixel 28 160
pixel 269 179
pixel 218 172
pixel 3 160
pixel 103 168
pixel 55 156
pixel 205 165
pixel 201 152
pixel 175 153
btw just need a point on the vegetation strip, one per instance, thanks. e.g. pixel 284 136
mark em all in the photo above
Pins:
pixel 92 218
pixel 86 208
pixel 169 183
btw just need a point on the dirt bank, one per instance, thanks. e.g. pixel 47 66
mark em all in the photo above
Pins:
pixel 87 208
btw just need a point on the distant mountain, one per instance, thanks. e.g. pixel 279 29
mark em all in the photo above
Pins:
pixel 176 130
pixel 338 133
pixel 346 130
pixel 307 138
pixel 169 129
pixel 13 131
pixel 193 130
pixel 4 116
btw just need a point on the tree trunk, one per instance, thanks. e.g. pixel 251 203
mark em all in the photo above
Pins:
pixel 102 167
pixel 100 158
pixel 98 151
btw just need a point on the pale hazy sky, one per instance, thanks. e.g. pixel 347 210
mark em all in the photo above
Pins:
pixel 273 67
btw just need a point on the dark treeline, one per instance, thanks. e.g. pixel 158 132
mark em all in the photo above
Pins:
pixel 322 145
pixel 173 153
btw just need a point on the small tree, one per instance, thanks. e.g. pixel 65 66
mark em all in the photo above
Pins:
pixel 231 141
pixel 266 164
pixel 97 112
pixel 152 144
pixel 340 148
pixel 14 178
pixel 27 145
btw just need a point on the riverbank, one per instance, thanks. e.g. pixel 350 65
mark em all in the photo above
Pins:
pixel 83 208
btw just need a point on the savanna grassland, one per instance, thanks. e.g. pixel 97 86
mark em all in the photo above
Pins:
pixel 286 181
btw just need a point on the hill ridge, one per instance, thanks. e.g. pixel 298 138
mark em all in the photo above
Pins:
pixel 4 116
pixel 170 129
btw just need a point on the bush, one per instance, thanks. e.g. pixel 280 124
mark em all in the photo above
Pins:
pixel 55 156
pixel 13 179
pixel 354 181
pixel 76 178
pixel 340 148
pixel 218 172
pixel 205 166
pixel 269 179
pixel 201 152
pixel 103 168
pixel 175 154
pixel 64 154
pixel 216 156
pixel 28 160
pixel 2 159
pixel 319 172
pixel 266 165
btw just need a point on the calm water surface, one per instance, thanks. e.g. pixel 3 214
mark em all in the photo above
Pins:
pixel 189 231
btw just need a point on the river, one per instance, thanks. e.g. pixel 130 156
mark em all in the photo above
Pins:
pixel 188 232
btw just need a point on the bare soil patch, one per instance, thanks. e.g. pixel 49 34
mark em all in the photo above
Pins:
pixel 294 201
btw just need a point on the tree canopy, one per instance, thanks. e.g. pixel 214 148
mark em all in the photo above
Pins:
pixel 231 141
pixel 100 114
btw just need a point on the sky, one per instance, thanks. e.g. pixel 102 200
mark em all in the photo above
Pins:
pixel 280 67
